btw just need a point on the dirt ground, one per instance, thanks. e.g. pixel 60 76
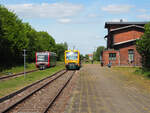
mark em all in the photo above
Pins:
pixel 101 90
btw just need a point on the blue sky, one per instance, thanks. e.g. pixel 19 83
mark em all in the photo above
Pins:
pixel 80 23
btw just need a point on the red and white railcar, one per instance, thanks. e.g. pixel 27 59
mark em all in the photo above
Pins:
pixel 45 59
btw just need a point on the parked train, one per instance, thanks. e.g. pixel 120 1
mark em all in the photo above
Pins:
pixel 45 59
pixel 72 59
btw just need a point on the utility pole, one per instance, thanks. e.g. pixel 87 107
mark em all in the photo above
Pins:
pixel 24 51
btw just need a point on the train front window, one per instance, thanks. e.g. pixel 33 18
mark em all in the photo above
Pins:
pixel 42 58
pixel 71 55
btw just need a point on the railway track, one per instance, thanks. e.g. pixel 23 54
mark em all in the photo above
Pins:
pixel 5 77
pixel 47 91
pixel 16 75
pixel 5 98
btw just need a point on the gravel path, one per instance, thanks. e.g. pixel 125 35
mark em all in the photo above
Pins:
pixel 100 90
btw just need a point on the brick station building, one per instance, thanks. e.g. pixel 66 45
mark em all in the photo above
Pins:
pixel 121 48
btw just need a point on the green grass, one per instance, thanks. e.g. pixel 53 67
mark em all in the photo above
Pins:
pixel 89 62
pixel 135 70
pixel 9 86
pixel 17 69
pixel 135 75
pixel 143 72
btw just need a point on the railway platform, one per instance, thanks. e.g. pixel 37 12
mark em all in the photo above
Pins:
pixel 99 90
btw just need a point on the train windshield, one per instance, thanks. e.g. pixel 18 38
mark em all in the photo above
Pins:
pixel 71 55
pixel 42 58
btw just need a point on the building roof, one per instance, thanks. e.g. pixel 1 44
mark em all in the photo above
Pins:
pixel 90 54
pixel 125 27
pixel 129 26
pixel 107 24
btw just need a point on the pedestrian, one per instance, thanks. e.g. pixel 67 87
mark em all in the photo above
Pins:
pixel 109 64
pixel 92 61
pixel 101 63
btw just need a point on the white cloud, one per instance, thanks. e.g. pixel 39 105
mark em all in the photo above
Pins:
pixel 64 20
pixel 144 16
pixel 117 8
pixel 92 15
pixel 45 10
pixel 142 10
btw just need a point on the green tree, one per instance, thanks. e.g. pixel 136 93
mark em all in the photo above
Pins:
pixel 81 57
pixel 16 36
pixel 87 57
pixel 12 37
pixel 98 53
pixel 60 49
pixel 44 42
pixel 143 46
pixel 32 36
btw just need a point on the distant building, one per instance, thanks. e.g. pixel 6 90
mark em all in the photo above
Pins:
pixel 90 56
pixel 121 48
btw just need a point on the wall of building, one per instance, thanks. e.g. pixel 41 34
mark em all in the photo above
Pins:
pixel 121 50
pixel 124 56
pixel 105 58
pixel 127 35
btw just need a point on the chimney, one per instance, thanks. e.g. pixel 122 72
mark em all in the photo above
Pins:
pixel 121 20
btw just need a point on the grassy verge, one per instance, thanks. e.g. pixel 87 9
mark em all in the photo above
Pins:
pixel 18 69
pixel 134 71
pixel 143 71
pixel 134 75
pixel 9 86
pixel 89 62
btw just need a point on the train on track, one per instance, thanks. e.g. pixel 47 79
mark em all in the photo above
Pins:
pixel 45 59
pixel 72 59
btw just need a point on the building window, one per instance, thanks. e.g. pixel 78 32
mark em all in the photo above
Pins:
pixel 112 56
pixel 131 55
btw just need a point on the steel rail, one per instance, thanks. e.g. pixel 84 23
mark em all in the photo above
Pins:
pixel 25 88
pixel 17 74
pixel 58 93
pixel 26 97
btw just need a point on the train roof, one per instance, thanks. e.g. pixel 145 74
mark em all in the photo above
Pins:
pixel 53 53
pixel 72 50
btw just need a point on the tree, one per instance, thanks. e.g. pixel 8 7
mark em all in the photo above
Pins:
pixel 45 42
pixel 98 53
pixel 87 57
pixel 81 57
pixel 60 49
pixel 12 38
pixel 143 46
pixel 16 36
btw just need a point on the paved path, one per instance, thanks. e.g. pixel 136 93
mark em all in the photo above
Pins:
pixel 98 90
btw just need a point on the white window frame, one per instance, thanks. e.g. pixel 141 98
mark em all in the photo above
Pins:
pixel 130 55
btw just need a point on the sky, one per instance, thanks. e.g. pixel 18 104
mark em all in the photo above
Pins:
pixel 80 23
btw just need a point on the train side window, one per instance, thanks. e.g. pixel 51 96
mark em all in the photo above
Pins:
pixel 46 58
